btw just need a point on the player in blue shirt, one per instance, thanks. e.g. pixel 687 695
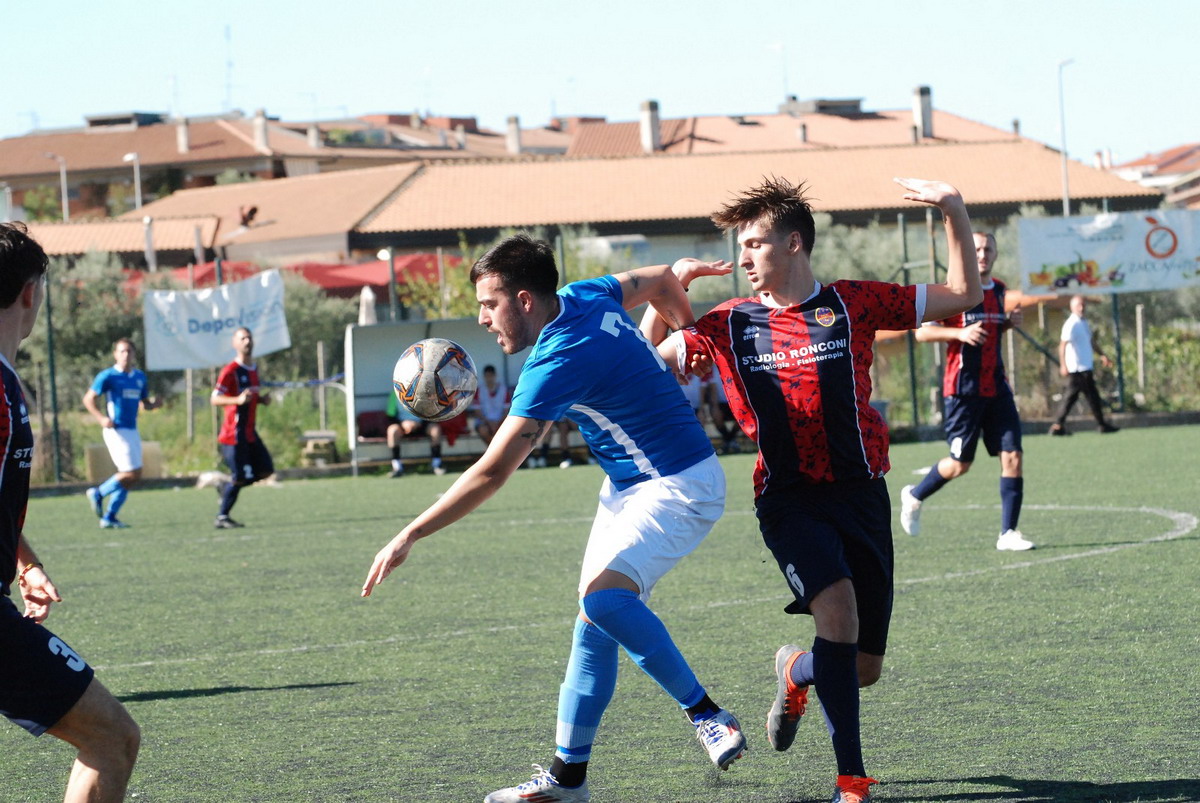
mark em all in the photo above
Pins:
pixel 45 686
pixel 125 390
pixel 663 493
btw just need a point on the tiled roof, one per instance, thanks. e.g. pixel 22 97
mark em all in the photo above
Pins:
pixel 574 191
pixel 773 132
pixel 1177 160
pixel 103 148
pixel 306 206
pixel 128 236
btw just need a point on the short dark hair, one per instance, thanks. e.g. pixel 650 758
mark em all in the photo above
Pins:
pixel 780 204
pixel 21 259
pixel 522 263
pixel 132 346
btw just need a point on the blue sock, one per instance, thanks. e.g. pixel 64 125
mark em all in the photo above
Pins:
pixel 118 499
pixel 1012 493
pixel 930 484
pixel 627 620
pixel 835 675
pixel 228 498
pixel 108 486
pixel 585 692
pixel 802 670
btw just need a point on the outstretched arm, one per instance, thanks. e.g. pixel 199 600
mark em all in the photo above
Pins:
pixel 653 324
pixel 961 290
pixel 513 442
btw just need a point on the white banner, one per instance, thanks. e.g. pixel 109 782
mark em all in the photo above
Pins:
pixel 1126 252
pixel 194 329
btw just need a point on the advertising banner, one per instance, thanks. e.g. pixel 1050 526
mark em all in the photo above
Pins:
pixel 194 328
pixel 1127 252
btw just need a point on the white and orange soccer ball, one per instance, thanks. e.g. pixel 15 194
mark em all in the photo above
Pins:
pixel 435 379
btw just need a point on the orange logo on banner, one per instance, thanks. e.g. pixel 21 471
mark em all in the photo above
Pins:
pixel 1161 241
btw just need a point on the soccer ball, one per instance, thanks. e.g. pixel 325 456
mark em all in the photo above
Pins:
pixel 435 379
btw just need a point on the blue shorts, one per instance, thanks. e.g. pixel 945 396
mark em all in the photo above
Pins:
pixel 995 417
pixel 824 532
pixel 41 678
pixel 248 462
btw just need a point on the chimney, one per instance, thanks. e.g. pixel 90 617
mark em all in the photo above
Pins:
pixel 314 136
pixel 1016 127
pixel 1098 160
pixel 512 139
pixel 923 112
pixel 651 139
pixel 414 121
pixel 460 136
pixel 1108 162
pixel 916 135
pixel 260 130
pixel 802 132
pixel 442 138
pixel 182 142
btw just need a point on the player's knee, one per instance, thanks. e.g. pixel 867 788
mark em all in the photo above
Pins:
pixel 954 468
pixel 868 676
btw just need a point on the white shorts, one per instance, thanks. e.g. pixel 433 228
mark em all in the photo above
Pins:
pixel 124 447
pixel 643 531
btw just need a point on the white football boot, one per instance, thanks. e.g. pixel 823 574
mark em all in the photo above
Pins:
pixel 541 789
pixel 910 511
pixel 722 737
pixel 1013 541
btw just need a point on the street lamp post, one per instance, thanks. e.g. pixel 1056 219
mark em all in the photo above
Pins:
pixel 62 180
pixel 1062 127
pixel 137 178
pixel 389 254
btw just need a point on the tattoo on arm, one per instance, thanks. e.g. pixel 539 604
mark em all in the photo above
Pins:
pixel 635 279
pixel 534 435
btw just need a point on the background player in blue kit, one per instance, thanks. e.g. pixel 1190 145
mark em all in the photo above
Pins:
pixel 795 360
pixel 663 492
pixel 126 390
pixel 45 686
pixel 979 403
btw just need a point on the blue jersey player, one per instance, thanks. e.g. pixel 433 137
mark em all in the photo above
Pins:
pixel 125 390
pixel 663 492
pixel 45 686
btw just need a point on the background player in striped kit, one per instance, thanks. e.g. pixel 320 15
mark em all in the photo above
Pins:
pixel 978 402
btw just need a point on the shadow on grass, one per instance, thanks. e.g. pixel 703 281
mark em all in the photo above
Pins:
pixel 1019 790
pixel 182 694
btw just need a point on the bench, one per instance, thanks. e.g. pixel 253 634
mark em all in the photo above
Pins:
pixel 459 442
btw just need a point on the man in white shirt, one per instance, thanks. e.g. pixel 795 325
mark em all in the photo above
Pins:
pixel 1076 348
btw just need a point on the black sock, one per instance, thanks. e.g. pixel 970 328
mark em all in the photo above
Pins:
pixel 704 709
pixel 569 775
pixel 396 452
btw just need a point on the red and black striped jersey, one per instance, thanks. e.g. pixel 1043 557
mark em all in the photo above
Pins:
pixel 798 378
pixel 978 370
pixel 16 435
pixel 238 424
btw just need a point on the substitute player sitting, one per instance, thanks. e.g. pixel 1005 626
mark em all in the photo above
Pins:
pixel 663 492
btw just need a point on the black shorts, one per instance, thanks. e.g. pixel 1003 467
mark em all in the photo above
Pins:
pixel 41 678
pixel 248 462
pixel 822 533
pixel 994 417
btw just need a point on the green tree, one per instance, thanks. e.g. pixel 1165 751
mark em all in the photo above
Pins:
pixel 42 204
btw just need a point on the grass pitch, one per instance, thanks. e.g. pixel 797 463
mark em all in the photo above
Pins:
pixel 257 674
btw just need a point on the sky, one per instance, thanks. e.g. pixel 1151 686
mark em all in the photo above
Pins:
pixel 1132 85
